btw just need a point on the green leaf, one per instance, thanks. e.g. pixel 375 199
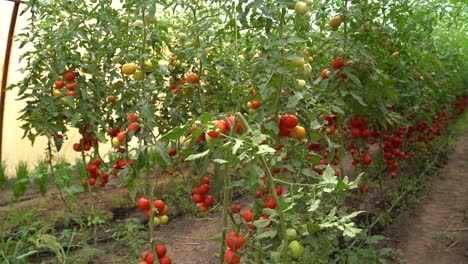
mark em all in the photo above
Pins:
pixel 175 133
pixel 198 155
pixel 161 150
pixel 236 146
pixel 220 161
pixel 265 149
pixel 294 100
pixel 358 98
pixel 269 234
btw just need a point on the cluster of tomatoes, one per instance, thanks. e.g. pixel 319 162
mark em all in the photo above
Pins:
pixel 253 106
pixel 359 128
pixel 148 257
pixel 337 64
pixel 69 84
pixel 201 197
pixel 94 172
pixel 188 84
pixel 268 202
pixel 218 127
pixel 87 141
pixel 161 210
pixel 234 242
pixel 288 127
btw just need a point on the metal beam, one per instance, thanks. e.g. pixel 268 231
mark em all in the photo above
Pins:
pixel 6 66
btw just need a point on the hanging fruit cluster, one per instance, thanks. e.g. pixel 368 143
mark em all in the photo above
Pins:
pixel 94 172
pixel 161 250
pixel 69 84
pixel 234 242
pixel 161 210
pixel 200 195
pixel 87 141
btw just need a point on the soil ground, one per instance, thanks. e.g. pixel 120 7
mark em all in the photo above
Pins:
pixel 434 230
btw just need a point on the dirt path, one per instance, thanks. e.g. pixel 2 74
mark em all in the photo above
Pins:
pixel 435 229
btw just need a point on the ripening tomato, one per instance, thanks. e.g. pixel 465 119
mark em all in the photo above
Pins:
pixel 192 78
pixel 202 208
pixel 297 132
pixel 325 73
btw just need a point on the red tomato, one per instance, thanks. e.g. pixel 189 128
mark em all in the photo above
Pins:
pixel 69 76
pixel 204 189
pixel 197 198
pixel 202 208
pixel 132 126
pixel 234 241
pixel 77 147
pixel 70 85
pixel 92 181
pixel 338 63
pixel 208 201
pixel 192 78
pixel 231 121
pixel 270 203
pixel 256 104
pixel 132 117
pixel 160 250
pixel 205 180
pixel 279 190
pixel 165 260
pixel 231 257
pixel 59 84
pixel 248 215
pixel 121 137
pixel 70 93
pixel 143 203
pixel 172 152
pixel 159 204
pixel 288 121
pixel 235 208
pixel 325 73
pixel 219 125
pixel 148 257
